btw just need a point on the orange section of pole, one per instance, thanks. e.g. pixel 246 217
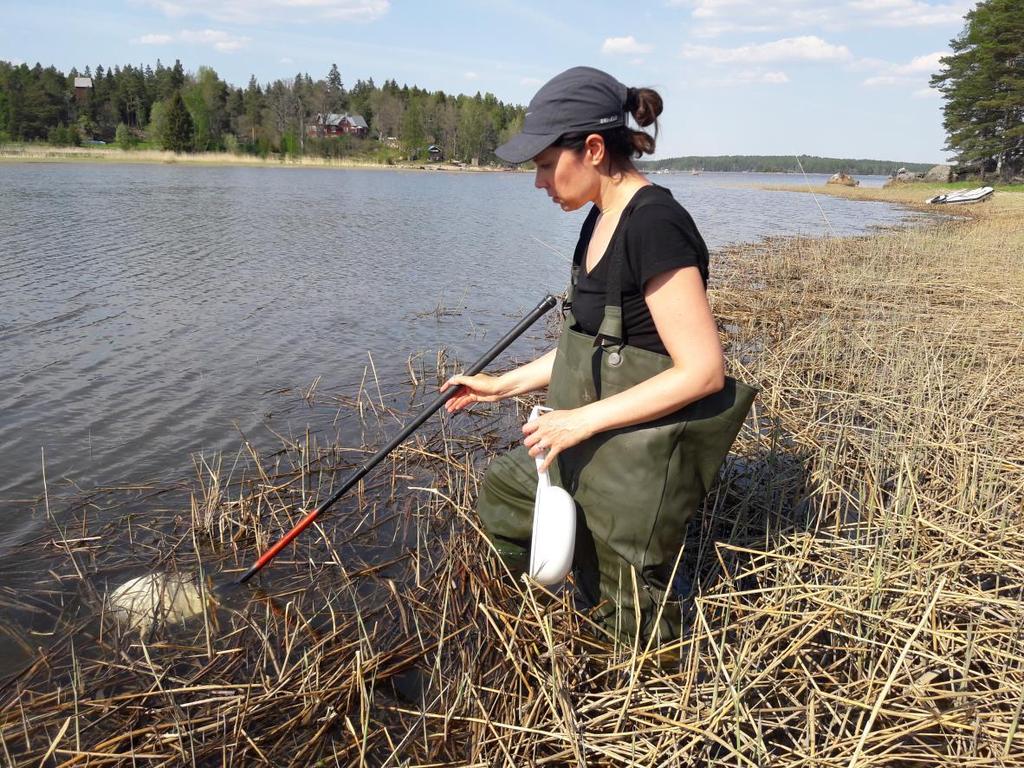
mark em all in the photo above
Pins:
pixel 283 542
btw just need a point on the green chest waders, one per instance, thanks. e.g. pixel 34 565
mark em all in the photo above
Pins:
pixel 635 488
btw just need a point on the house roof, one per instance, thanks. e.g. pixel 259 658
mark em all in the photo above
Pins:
pixel 335 119
pixel 83 82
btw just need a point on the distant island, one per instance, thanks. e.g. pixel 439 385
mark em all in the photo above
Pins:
pixel 781 164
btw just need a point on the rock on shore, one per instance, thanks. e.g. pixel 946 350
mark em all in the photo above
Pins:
pixel 940 174
pixel 843 179
pixel 902 176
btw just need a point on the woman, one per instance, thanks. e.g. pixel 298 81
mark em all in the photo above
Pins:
pixel 639 345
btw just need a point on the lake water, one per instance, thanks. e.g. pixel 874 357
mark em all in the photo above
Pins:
pixel 151 312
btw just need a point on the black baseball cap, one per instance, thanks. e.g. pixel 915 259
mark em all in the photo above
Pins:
pixel 579 99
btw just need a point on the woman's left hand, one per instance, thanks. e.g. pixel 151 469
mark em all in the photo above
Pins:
pixel 554 432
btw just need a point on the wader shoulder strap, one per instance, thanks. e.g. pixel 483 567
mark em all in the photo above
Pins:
pixel 570 293
pixel 574 278
pixel 610 332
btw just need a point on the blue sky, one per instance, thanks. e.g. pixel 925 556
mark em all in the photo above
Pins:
pixel 845 79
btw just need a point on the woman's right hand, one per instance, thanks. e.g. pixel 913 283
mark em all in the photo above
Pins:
pixel 481 388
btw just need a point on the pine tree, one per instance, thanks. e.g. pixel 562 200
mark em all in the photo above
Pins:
pixel 178 130
pixel 253 104
pixel 335 88
pixel 983 84
pixel 177 75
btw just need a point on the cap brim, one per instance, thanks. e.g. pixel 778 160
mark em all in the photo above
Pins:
pixel 525 146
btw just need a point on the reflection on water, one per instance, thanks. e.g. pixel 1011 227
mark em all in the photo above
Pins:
pixel 151 311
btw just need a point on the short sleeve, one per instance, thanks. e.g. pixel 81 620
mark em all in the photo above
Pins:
pixel 663 237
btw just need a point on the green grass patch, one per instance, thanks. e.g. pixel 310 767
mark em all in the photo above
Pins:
pixel 974 183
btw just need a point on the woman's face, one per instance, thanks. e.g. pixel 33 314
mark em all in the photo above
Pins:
pixel 568 176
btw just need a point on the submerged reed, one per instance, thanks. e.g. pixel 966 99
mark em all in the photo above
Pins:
pixel 857 572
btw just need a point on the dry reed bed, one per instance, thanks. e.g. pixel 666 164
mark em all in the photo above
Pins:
pixel 857 572
pixel 36 153
pixel 42 153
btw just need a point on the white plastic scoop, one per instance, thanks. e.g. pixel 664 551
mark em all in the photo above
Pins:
pixel 554 526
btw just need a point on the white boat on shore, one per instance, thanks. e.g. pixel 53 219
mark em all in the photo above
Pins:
pixel 975 195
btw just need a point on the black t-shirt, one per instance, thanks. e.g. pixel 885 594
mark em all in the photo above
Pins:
pixel 659 236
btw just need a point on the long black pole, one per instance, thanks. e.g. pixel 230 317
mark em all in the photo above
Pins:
pixel 538 311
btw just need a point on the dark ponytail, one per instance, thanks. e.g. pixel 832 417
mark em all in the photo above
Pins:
pixel 644 104
pixel 623 143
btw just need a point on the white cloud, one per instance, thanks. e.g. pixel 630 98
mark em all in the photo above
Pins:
pixel 717 17
pixel 807 48
pixel 927 64
pixel 911 13
pixel 261 11
pixel 217 39
pixel 530 81
pixel 627 45
pixel 713 18
pixel 912 75
pixel 155 39
pixel 867 64
pixel 747 77
pixel 912 72
pixel 719 28
pixel 213 38
pixel 286 60
pixel 872 82
pixel 471 75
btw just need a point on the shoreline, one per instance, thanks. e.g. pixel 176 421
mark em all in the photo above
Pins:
pixel 861 553
pixel 914 194
pixel 116 156
pixel 111 155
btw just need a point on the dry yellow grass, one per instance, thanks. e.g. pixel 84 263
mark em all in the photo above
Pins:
pixel 30 153
pixel 857 572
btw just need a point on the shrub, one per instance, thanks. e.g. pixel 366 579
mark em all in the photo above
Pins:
pixel 124 137
pixel 63 136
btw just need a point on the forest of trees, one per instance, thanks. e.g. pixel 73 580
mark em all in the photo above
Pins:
pixel 983 84
pixel 167 107
pixel 783 164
